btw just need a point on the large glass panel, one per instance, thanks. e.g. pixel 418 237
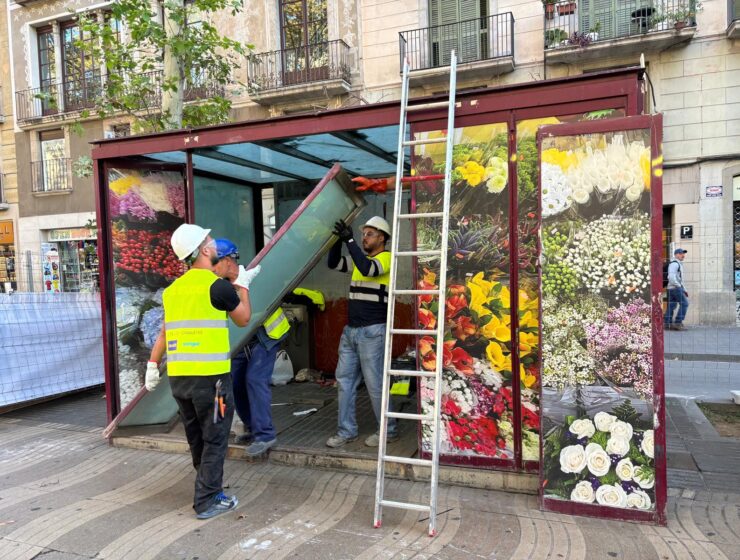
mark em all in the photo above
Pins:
pixel 145 207
pixel 597 366
pixel 529 281
pixel 289 256
pixel 477 400
pixel 227 210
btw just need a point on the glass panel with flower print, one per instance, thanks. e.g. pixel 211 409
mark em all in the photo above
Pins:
pixel 529 282
pixel 597 370
pixel 477 400
pixel 145 207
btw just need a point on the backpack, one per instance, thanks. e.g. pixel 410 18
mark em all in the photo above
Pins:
pixel 666 264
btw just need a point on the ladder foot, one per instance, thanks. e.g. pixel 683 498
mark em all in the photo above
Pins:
pixel 377 524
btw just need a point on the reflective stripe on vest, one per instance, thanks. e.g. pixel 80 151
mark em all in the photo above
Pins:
pixel 277 324
pixel 197 333
pixel 372 288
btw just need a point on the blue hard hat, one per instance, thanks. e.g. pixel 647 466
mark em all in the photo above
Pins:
pixel 226 248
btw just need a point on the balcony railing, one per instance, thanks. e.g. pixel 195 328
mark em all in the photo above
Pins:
pixel 474 40
pixel 304 65
pixel 569 24
pixel 74 96
pixel 51 175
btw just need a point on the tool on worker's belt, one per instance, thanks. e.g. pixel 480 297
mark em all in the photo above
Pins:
pixel 219 406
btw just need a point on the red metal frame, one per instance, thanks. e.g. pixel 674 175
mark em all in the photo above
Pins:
pixel 654 123
pixel 616 89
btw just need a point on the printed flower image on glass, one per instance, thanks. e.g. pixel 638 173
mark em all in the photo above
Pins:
pixel 600 459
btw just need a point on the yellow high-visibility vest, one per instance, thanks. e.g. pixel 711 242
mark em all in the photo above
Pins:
pixel 277 324
pixel 372 288
pixel 197 333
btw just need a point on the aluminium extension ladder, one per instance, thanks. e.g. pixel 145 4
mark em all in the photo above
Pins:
pixel 440 292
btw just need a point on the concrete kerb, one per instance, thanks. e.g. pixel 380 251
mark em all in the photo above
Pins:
pixel 523 483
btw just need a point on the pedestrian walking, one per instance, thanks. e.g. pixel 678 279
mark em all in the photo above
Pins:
pixel 195 337
pixel 362 346
pixel 677 294
pixel 252 366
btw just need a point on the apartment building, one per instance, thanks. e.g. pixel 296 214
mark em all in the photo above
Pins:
pixel 318 55
pixel 8 179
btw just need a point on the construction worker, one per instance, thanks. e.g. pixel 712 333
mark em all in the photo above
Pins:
pixel 195 336
pixel 362 346
pixel 252 366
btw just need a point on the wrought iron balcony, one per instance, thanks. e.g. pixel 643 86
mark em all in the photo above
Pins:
pixel 571 25
pixel 74 96
pixel 474 40
pixel 57 99
pixel 51 175
pixel 306 65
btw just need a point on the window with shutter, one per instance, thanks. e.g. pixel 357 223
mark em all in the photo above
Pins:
pixel 456 24
pixel 613 17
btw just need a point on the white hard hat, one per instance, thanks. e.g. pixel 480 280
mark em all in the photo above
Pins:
pixel 187 238
pixel 378 223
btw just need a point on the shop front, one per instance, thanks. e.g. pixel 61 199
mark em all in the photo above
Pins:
pixel 69 261
pixel 8 281
pixel 553 352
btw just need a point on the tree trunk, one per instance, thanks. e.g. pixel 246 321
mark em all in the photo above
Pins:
pixel 172 100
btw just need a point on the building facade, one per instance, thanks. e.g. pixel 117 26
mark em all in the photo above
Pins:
pixel 316 55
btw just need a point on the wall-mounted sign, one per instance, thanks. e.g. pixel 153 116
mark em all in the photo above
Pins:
pixel 714 191
pixel 687 232
pixel 737 278
pixel 6 232
pixel 72 234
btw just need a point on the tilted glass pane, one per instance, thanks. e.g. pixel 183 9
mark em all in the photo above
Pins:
pixel 290 255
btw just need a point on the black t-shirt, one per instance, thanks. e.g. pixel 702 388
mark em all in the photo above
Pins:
pixel 224 296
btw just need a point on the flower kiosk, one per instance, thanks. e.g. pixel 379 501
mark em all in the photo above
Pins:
pixel 553 331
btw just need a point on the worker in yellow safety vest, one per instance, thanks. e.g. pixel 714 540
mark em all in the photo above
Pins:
pixel 195 336
pixel 362 346
pixel 252 366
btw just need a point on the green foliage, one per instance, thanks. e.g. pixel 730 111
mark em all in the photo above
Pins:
pixel 134 83
pixel 601 438
pixel 83 167
pixel 527 170
pixel 609 478
pixel 626 412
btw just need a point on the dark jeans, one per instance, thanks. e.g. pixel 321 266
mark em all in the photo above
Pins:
pixel 251 370
pixel 676 297
pixel 208 441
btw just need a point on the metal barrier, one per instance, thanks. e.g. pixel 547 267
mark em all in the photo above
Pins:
pixel 303 65
pixel 474 40
pixel 575 24
pixel 51 175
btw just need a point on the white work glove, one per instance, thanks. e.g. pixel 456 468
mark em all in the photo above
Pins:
pixel 246 276
pixel 152 376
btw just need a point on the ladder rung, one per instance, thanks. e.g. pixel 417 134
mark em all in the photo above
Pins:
pixel 411 373
pixel 409 416
pixel 402 505
pixel 408 461
pixel 425 141
pixel 414 332
pixel 428 106
pixel 417 292
pixel 416 215
pixel 431 252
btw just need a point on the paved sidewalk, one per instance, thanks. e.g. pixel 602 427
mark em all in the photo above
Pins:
pixel 66 495
pixel 702 363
